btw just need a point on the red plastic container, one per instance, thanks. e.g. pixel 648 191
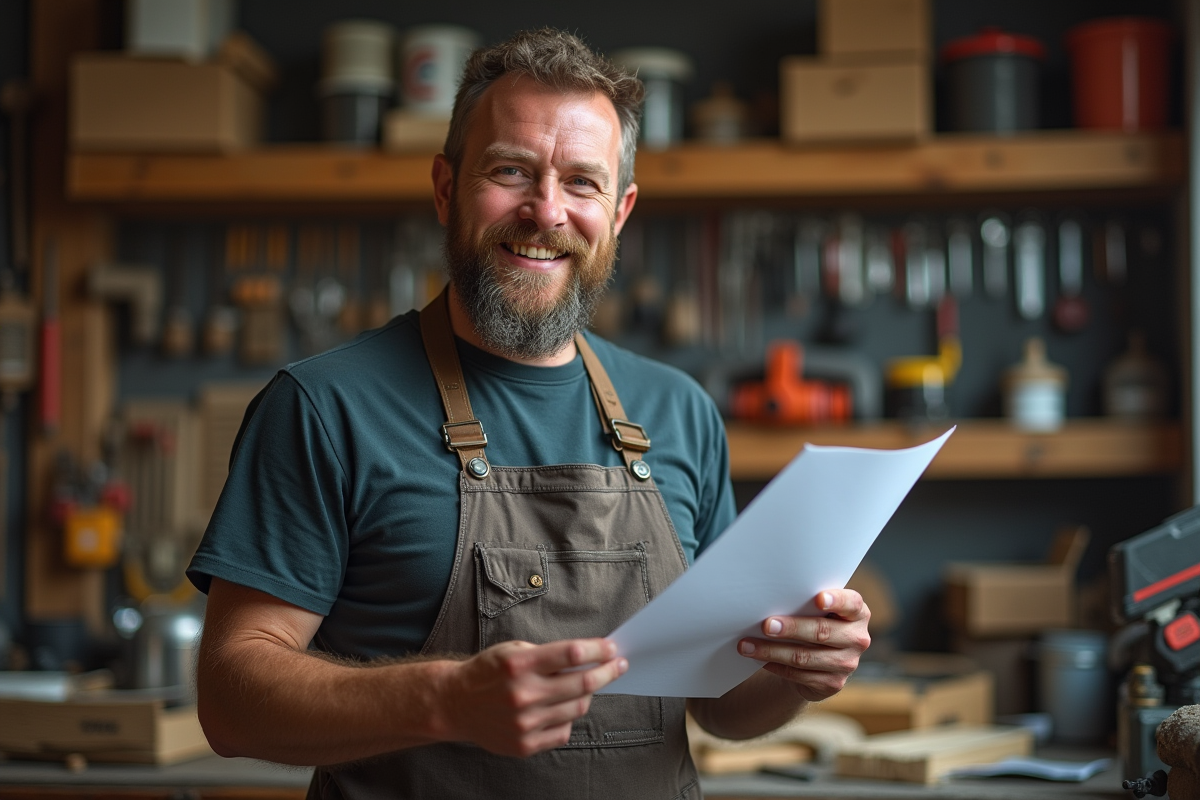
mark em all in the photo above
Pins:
pixel 1119 73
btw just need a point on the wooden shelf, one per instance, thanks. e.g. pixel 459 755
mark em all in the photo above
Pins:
pixel 991 448
pixel 954 164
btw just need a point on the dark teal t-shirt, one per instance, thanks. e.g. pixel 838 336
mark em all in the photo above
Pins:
pixel 342 499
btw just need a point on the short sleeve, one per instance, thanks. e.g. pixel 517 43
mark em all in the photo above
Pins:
pixel 717 506
pixel 280 523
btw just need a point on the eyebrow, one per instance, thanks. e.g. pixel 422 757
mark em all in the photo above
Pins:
pixel 508 153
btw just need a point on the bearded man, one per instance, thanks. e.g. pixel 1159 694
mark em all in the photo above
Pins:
pixel 426 533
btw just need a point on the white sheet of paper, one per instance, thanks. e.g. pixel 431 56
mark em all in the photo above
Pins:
pixel 805 532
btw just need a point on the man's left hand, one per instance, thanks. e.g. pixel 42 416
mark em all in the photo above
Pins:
pixel 815 654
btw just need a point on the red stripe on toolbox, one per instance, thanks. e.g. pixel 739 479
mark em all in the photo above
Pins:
pixel 1166 583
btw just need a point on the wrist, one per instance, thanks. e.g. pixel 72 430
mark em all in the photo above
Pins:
pixel 437 693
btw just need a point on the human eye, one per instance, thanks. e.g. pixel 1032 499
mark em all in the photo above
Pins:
pixel 582 184
pixel 508 174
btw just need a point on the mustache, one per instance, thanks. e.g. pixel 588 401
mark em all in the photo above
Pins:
pixel 526 232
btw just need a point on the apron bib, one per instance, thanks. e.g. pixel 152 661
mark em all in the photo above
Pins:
pixel 544 553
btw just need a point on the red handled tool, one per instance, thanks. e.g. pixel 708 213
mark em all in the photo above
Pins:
pixel 50 398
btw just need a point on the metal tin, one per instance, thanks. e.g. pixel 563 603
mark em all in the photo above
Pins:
pixel 992 82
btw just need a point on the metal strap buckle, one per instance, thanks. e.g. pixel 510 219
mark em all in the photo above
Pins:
pixel 640 441
pixel 480 440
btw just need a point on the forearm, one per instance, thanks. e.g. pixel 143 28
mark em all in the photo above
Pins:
pixel 264 699
pixel 754 707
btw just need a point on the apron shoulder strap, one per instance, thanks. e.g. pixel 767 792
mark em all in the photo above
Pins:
pixel 629 438
pixel 461 433
pixel 464 435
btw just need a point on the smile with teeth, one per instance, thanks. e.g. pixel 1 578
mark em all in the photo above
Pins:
pixel 535 252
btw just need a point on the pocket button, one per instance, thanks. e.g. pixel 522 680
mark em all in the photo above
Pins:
pixel 536 581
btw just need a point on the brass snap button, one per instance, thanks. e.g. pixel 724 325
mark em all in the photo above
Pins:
pixel 640 469
pixel 536 581
pixel 478 467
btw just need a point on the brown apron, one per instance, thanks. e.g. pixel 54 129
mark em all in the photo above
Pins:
pixel 545 553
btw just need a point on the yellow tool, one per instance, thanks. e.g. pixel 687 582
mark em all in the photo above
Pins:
pixel 917 384
pixel 93 536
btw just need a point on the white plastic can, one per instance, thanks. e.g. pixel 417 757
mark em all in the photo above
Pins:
pixel 431 64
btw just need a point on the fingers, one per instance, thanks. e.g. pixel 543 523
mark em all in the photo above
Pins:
pixel 547 659
pixel 519 699
pixel 815 654
pixel 845 603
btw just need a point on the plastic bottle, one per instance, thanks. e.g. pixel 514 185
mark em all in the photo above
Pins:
pixel 1035 390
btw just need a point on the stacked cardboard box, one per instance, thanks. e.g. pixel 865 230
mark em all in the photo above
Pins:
pixel 871 80
pixel 996 609
pixel 122 102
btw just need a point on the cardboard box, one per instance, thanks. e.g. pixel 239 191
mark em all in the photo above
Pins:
pixel 923 691
pixel 831 100
pixel 161 105
pixel 407 132
pixel 103 726
pixel 191 29
pixel 993 599
pixel 853 27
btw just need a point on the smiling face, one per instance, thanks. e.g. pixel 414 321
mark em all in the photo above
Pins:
pixel 532 217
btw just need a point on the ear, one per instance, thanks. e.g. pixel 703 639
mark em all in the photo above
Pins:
pixel 443 187
pixel 624 207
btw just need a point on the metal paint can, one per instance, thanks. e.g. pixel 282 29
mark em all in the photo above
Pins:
pixel 992 82
pixel 432 58
pixel 664 73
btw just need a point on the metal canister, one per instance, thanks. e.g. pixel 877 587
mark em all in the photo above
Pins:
pixel 992 82
pixel 432 58
pixel 664 73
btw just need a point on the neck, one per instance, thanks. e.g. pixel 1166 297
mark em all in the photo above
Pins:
pixel 461 323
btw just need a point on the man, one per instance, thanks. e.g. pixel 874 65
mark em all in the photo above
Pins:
pixel 427 532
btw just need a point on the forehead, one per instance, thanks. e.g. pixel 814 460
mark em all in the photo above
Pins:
pixel 526 114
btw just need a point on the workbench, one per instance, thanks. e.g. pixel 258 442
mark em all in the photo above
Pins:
pixel 246 779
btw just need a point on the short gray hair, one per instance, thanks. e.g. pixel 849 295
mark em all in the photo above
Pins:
pixel 561 61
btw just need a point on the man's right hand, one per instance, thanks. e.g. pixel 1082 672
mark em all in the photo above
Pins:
pixel 262 695
pixel 517 699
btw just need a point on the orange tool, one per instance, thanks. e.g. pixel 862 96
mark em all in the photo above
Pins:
pixel 785 398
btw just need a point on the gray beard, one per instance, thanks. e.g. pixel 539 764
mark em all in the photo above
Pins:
pixel 511 330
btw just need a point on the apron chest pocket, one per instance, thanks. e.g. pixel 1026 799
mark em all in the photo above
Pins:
pixel 507 576
pixel 540 595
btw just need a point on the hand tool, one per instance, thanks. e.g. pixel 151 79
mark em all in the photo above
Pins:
pixel 917 277
pixel 1029 268
pixel 880 267
pixel 994 232
pixel 220 320
pixel 1115 254
pixel 349 270
pixel 139 286
pixel 851 287
pixel 1070 309
pixel 960 257
pixel 50 368
pixel 178 339
pixel 935 265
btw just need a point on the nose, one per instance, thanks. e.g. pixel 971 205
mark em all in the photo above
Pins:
pixel 545 205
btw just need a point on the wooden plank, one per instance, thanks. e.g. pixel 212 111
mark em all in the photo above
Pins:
pixel 1056 160
pixel 925 756
pixel 980 448
pixel 281 173
pixel 1045 161
pixel 52 589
